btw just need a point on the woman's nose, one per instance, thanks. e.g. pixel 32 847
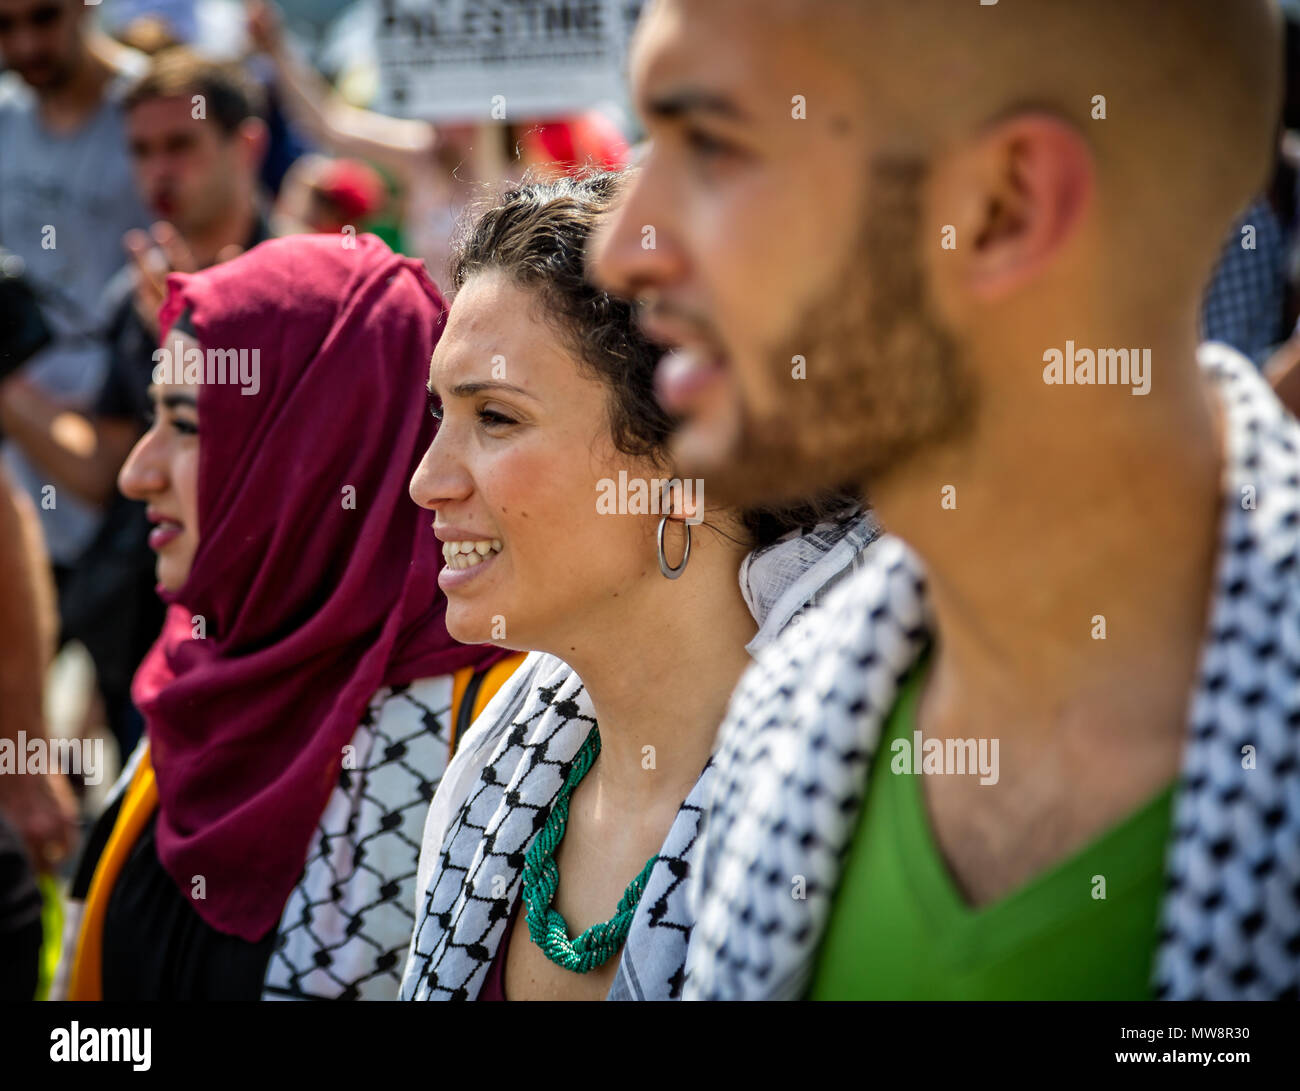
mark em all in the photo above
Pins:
pixel 143 474
pixel 439 479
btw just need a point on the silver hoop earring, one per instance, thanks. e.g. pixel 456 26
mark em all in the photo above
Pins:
pixel 668 570
pixel 666 503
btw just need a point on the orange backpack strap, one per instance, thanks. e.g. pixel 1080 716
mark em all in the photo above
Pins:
pixel 472 689
pixel 138 803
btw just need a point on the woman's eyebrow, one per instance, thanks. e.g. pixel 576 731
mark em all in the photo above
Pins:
pixel 468 390
pixel 179 401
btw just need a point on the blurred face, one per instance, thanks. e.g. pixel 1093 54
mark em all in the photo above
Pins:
pixel 163 471
pixel 185 168
pixel 512 474
pixel 778 257
pixel 41 40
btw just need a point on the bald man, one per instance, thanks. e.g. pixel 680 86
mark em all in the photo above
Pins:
pixel 1047 744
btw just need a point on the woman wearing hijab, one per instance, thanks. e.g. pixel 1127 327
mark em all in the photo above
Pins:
pixel 299 702
pixel 558 844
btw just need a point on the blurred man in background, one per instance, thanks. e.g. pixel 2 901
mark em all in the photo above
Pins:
pixel 195 142
pixel 66 198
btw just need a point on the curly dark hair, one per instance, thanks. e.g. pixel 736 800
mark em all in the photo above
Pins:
pixel 537 234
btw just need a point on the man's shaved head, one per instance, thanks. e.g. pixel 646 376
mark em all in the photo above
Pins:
pixel 1192 90
pixel 1082 160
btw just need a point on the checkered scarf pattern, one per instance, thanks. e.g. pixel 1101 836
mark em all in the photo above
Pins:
pixel 345 928
pixel 1245 303
pixel 505 776
pixel 795 750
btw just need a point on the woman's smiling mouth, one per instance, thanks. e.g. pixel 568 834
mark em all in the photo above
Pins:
pixel 466 558
pixel 470 552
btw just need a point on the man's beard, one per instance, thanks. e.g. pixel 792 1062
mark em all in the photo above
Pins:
pixel 884 378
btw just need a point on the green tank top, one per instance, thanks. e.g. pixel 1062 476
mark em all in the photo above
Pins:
pixel 899 928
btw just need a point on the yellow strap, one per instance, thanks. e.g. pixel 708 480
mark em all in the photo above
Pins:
pixel 493 680
pixel 138 803
pixel 459 683
pixel 497 676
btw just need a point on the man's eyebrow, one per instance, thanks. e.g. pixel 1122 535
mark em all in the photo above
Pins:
pixel 468 390
pixel 675 105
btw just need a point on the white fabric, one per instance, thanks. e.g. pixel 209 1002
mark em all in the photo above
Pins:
pixel 784 580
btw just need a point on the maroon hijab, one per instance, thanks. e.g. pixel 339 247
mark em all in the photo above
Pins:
pixel 315 574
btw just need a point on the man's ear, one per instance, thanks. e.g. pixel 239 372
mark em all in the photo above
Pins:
pixel 1019 193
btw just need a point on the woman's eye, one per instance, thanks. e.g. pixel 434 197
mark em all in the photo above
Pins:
pixel 435 410
pixel 185 427
pixel 493 419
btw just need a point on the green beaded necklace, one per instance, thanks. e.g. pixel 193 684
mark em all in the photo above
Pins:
pixel 546 927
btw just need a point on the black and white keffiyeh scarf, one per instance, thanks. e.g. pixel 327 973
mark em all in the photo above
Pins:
pixel 347 922
pixel 510 766
pixel 793 755
pixel 346 925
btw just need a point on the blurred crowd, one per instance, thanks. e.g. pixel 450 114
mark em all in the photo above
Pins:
pixel 107 187
pixel 98 138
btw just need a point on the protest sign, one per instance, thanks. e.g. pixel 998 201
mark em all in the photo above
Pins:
pixel 502 60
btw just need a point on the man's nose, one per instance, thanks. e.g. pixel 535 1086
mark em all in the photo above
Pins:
pixel 635 247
